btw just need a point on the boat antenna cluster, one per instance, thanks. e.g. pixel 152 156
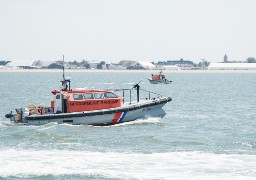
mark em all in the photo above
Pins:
pixel 137 87
pixel 66 80
pixel 63 68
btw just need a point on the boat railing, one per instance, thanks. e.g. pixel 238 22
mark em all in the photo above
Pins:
pixel 123 95
pixel 149 93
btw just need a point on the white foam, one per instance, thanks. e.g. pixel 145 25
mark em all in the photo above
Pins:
pixel 150 120
pixel 197 165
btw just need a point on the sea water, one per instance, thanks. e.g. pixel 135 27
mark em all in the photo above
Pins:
pixel 209 130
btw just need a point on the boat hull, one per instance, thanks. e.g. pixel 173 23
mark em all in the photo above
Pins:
pixel 160 81
pixel 149 108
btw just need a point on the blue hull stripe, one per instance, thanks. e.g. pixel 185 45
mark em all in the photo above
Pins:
pixel 122 117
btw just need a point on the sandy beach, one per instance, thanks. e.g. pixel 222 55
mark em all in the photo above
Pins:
pixel 119 71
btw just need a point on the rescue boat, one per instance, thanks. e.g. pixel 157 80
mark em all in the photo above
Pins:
pixel 91 107
pixel 159 79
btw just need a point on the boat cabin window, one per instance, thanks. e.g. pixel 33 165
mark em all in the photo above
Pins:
pixel 109 95
pixel 78 96
pixel 88 96
pixel 156 77
pixel 98 95
pixel 57 96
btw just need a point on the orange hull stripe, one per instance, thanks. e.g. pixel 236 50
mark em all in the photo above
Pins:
pixel 116 117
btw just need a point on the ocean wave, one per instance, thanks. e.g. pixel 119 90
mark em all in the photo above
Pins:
pixel 197 165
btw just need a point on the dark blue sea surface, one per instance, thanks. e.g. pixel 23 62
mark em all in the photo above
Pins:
pixel 209 130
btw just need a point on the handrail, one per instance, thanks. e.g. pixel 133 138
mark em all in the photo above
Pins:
pixel 149 93
pixel 152 92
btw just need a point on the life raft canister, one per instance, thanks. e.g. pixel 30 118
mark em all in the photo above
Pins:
pixel 41 109
pixel 32 109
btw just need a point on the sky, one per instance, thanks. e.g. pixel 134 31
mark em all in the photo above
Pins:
pixel 114 30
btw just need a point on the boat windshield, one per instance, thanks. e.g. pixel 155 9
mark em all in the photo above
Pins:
pixel 98 95
pixel 57 96
pixel 109 95
pixel 88 96
pixel 78 96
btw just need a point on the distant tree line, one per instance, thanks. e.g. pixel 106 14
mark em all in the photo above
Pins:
pixel 251 60
pixel 86 64
pixel 83 63
pixel 202 64
pixel 3 63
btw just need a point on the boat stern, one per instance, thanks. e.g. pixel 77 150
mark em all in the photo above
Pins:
pixel 19 116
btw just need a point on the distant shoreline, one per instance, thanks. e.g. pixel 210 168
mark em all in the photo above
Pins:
pixel 132 71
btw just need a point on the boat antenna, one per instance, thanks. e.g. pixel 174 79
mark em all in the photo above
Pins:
pixel 63 70
pixel 137 84
pixel 63 74
pixel 65 79
pixel 137 87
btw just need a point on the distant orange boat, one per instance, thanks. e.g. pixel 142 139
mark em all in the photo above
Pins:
pixel 159 79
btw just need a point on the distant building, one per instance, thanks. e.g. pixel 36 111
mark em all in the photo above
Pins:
pixel 179 63
pixel 20 64
pixel 225 59
pixel 108 66
pixel 93 65
pixel 129 64
pixel 168 67
pixel 126 64
pixel 42 64
pixel 232 66
pixel 147 65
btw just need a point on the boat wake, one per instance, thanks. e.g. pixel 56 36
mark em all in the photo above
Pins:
pixel 150 120
pixel 7 123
